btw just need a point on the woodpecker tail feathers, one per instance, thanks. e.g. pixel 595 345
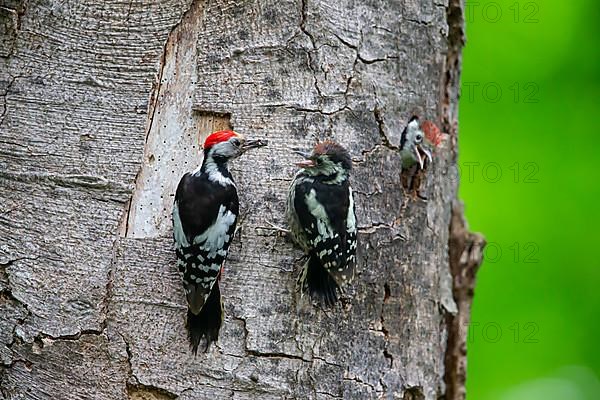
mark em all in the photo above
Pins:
pixel 207 322
pixel 318 282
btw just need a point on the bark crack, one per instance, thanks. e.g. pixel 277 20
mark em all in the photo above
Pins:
pixel 4 97
pixel 417 21
pixel 7 292
pixel 19 322
pixel 137 390
pixel 361 382
pixel 360 57
pixel 386 354
pixel 14 260
pixel 378 114
pixel 311 61
pixel 317 110
pixel 41 336
pixel 323 393
pixel 258 353
pixel 70 181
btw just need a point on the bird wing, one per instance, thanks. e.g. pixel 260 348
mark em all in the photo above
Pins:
pixel 204 221
pixel 327 218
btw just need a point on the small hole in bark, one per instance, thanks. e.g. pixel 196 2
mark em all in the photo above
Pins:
pixel 414 393
pixel 387 292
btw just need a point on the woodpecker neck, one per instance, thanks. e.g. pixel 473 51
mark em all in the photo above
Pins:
pixel 215 169
pixel 339 177
pixel 336 178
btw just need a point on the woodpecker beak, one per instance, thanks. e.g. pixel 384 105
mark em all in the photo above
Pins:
pixel 307 163
pixel 252 144
pixel 422 154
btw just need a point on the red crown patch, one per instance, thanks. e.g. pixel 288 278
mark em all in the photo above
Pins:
pixel 218 137
pixel 432 133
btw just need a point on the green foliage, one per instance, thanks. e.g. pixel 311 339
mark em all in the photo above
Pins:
pixel 540 284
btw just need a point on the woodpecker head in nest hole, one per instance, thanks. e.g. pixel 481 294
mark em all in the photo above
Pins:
pixel 418 140
pixel 226 145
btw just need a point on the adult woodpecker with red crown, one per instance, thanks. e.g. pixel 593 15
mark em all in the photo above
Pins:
pixel 205 214
pixel 322 221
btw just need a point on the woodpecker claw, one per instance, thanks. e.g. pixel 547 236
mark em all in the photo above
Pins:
pixel 274 228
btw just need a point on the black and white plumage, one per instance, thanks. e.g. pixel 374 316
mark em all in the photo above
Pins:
pixel 320 214
pixel 205 214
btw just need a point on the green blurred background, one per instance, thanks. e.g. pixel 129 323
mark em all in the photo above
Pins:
pixel 530 178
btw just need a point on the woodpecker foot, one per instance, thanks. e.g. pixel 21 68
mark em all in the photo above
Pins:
pixel 301 259
pixel 412 180
pixel 276 230
pixel 299 281
pixel 240 223
pixel 416 194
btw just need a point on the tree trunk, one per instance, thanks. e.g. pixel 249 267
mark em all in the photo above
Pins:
pixel 102 110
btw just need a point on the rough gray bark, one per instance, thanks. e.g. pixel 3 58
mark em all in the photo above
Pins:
pixel 102 108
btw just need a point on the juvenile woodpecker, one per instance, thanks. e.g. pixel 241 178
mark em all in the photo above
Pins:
pixel 417 142
pixel 320 214
pixel 205 214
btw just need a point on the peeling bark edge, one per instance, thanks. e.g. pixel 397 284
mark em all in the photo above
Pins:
pixel 451 76
pixel 465 248
pixel 466 255
pixel 175 130
pixel 153 105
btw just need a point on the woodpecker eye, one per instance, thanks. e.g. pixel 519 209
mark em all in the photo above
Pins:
pixel 236 142
pixel 419 138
